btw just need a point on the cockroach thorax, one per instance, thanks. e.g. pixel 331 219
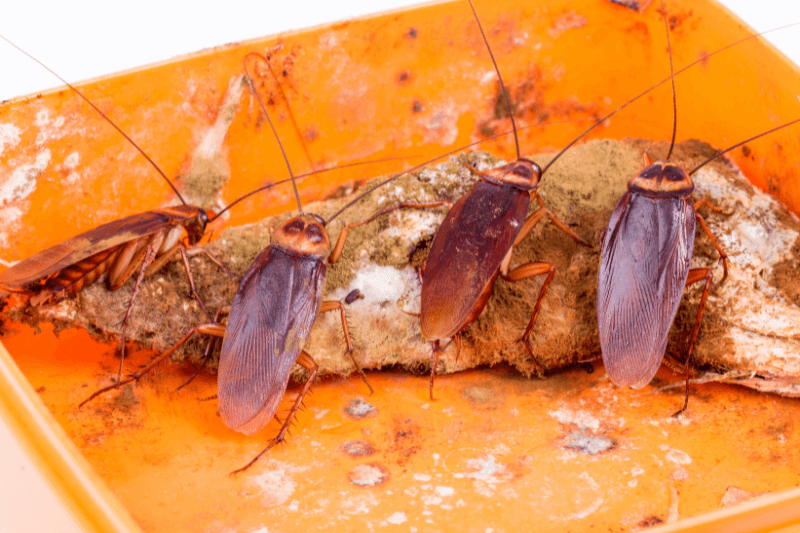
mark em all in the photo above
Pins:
pixel 662 179
pixel 523 174
pixel 304 235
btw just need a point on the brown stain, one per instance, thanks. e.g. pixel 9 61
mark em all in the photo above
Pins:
pixel 484 397
pixel 651 521
pixel 404 439
pixel 633 5
pixel 358 448
pixel 125 401
pixel 405 77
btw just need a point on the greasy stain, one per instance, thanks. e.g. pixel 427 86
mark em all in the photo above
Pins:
pixel 651 521
pixel 482 396
pixel 126 400
pixel 358 448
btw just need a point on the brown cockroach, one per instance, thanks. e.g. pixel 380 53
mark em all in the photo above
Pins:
pixel 473 245
pixel 269 321
pixel 646 250
pixel 141 243
pixel 275 306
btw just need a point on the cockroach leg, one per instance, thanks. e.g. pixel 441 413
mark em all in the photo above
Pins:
pixel 696 275
pixel 436 351
pixel 723 257
pixel 192 290
pixel 337 250
pixel 457 340
pixel 209 347
pixel 211 328
pixel 409 313
pixel 195 250
pixel 543 211
pixel 149 257
pixel 334 305
pixel 529 270
pixel 309 364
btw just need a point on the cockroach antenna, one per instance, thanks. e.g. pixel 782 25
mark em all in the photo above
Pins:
pixel 737 145
pixel 586 132
pixel 672 79
pixel 301 176
pixel 704 58
pixel 499 77
pixel 79 93
pixel 252 85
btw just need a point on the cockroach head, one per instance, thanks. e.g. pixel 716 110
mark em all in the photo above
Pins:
pixel 662 179
pixel 303 235
pixel 196 228
pixel 523 174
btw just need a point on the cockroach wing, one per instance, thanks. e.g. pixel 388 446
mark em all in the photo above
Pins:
pixel 643 271
pixel 94 241
pixel 465 256
pixel 270 319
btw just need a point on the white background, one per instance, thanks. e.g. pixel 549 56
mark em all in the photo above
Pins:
pixel 82 39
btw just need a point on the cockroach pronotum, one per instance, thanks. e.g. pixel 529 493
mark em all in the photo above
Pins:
pixel 275 306
pixel 646 250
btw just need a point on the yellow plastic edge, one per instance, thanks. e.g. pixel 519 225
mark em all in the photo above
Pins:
pixel 778 512
pixel 82 493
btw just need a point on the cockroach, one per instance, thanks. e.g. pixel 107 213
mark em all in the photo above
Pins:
pixel 473 245
pixel 142 243
pixel 275 306
pixel 270 319
pixel 646 250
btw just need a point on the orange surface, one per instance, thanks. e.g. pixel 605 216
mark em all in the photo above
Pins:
pixel 493 451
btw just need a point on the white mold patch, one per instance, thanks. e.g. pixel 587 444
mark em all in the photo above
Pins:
pixel 49 129
pixel 678 457
pixel 276 484
pixel 397 518
pixel 416 224
pixel 22 181
pixel 377 283
pixel 10 217
pixel 581 419
pixel 9 136
pixel 368 475
pixel 71 163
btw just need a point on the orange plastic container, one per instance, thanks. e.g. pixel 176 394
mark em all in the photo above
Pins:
pixel 496 451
